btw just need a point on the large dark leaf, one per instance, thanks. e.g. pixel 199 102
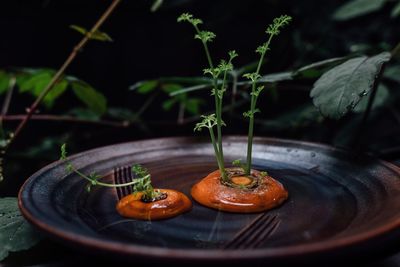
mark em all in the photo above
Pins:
pixel 95 100
pixel 381 97
pixel 15 233
pixel 356 8
pixel 341 88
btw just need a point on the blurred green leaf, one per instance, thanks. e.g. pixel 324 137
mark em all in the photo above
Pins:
pixel 395 11
pixel 356 8
pixel 392 73
pixel 169 103
pixel 34 83
pixel 192 105
pixel 171 87
pixel 277 77
pixel 4 81
pixel 316 69
pixel 97 35
pixel 16 234
pixel 47 148
pixel 381 97
pixel 341 88
pixel 94 100
pixel 156 5
pixel 144 87
pixel 298 117
pixel 54 93
pixel 190 89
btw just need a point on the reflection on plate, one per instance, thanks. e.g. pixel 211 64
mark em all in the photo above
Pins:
pixel 337 203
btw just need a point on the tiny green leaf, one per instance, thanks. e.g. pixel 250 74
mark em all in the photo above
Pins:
pixel 97 35
pixel 232 54
pixel 63 152
pixel 277 24
pixel 16 234
pixel 189 18
pixel 208 121
pixel 205 36
pixel 252 76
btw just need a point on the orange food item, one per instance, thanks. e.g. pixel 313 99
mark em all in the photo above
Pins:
pixel 174 204
pixel 266 194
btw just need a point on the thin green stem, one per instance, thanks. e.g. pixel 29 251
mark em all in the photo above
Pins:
pixel 218 107
pixel 250 134
pixel 216 151
pixel 109 185
pixel 252 110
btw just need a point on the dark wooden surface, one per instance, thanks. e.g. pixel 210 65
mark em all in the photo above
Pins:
pixel 54 254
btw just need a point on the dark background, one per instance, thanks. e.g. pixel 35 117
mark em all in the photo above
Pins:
pixel 150 45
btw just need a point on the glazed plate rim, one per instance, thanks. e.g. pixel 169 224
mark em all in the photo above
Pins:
pixel 120 248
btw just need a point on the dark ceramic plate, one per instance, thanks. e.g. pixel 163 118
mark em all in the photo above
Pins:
pixel 339 205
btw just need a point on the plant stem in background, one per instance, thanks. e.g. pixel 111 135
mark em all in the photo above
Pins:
pixel 272 30
pixel 62 69
pixel 57 118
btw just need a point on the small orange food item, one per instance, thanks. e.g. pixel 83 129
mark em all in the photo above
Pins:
pixel 133 206
pixel 262 192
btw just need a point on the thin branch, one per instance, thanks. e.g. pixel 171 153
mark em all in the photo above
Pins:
pixel 7 100
pixel 70 119
pixel 66 64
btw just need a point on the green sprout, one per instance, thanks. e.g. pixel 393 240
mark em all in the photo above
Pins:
pixel 272 30
pixel 140 184
pixel 217 91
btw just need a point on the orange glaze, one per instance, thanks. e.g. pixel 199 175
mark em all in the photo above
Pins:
pixel 133 207
pixel 212 193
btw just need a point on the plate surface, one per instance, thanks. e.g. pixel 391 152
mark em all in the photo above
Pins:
pixel 338 204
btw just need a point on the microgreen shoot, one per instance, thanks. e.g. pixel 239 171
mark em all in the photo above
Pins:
pixel 140 184
pixel 217 91
pixel 272 30
pixel 144 184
